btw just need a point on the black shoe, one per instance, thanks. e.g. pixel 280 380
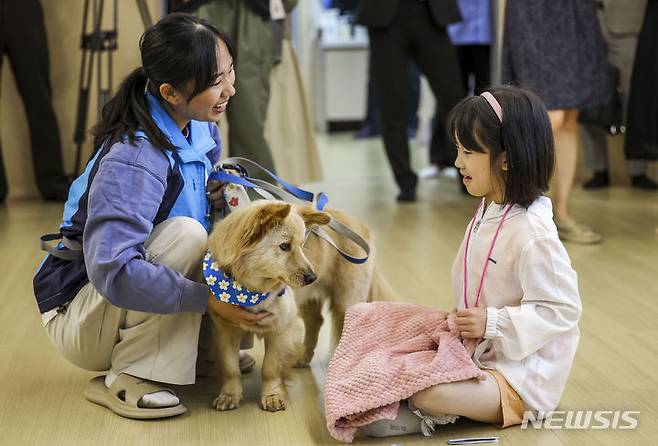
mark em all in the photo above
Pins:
pixel 643 182
pixel 598 181
pixel 407 196
pixel 57 189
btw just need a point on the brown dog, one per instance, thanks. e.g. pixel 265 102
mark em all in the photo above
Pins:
pixel 264 246
pixel 260 246
pixel 339 283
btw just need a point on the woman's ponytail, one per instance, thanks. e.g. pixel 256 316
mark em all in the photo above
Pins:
pixel 127 112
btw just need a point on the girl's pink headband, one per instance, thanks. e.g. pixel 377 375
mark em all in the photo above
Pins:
pixel 495 105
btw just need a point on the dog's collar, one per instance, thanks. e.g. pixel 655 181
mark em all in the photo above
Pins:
pixel 228 290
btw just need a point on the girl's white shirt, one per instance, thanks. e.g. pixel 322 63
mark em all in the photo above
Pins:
pixel 531 295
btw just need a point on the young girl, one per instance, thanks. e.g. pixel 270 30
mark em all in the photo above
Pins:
pixel 512 279
pixel 124 293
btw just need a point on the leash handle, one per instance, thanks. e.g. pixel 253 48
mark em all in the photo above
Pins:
pixel 244 163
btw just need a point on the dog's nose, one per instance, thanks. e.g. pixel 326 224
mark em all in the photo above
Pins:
pixel 309 278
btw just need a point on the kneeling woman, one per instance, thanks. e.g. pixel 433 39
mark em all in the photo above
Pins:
pixel 131 301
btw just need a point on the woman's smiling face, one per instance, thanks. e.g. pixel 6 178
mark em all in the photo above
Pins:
pixel 212 102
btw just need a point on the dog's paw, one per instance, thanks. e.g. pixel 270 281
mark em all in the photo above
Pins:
pixel 273 402
pixel 225 401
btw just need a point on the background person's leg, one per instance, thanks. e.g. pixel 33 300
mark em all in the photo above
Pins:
pixel 621 53
pixel 566 154
pixel 481 66
pixel 247 109
pixel 3 30
pixel 440 65
pixel 594 143
pixel 465 64
pixel 565 131
pixel 594 138
pixel 413 86
pixel 27 48
pixel 390 57
pixel 371 126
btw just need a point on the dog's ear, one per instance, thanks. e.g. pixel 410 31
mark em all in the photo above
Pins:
pixel 312 217
pixel 243 228
pixel 263 219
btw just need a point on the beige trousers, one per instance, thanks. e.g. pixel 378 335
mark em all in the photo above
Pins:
pixel 95 335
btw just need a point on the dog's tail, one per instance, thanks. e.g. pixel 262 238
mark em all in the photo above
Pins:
pixel 380 289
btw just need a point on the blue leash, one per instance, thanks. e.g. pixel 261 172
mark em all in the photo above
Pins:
pixel 304 195
pixel 289 193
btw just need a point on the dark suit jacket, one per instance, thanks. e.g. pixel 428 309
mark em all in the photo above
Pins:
pixel 380 13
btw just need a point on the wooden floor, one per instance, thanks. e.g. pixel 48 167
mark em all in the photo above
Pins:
pixel 41 400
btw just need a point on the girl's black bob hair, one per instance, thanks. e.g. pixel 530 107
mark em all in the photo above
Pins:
pixel 525 136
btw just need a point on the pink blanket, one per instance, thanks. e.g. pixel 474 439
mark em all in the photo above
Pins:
pixel 389 351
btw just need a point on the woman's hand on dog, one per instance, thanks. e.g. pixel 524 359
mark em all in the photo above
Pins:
pixel 471 322
pixel 233 313
pixel 215 193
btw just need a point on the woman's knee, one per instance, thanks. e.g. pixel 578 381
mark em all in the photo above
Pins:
pixel 178 242
pixel 74 349
pixel 86 362
pixel 190 235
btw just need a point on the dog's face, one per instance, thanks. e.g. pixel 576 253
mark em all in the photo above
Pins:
pixel 261 245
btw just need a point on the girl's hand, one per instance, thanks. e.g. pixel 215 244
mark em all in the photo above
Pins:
pixel 472 322
pixel 233 313
pixel 215 193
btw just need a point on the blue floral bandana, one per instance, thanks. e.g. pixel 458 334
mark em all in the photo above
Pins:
pixel 228 290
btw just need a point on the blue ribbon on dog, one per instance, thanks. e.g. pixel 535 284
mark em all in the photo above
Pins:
pixel 228 290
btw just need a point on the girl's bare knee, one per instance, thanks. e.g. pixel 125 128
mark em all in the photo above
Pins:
pixel 426 400
pixel 417 400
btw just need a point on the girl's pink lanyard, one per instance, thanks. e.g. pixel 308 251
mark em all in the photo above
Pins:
pixel 486 263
